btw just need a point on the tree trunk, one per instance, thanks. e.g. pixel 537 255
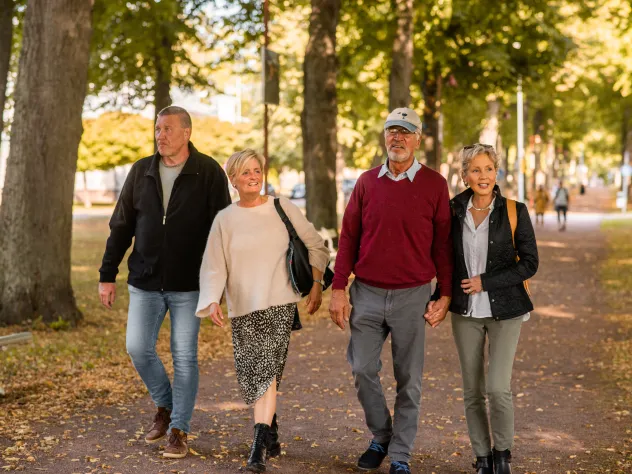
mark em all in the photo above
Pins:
pixel 6 42
pixel 433 121
pixel 36 212
pixel 402 68
pixel 162 86
pixel 538 128
pixel 489 134
pixel 318 120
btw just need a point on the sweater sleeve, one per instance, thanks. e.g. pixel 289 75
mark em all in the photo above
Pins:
pixel 349 242
pixel 442 242
pixel 318 251
pixel 213 272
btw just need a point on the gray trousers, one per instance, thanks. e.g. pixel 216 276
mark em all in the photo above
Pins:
pixel 469 334
pixel 375 314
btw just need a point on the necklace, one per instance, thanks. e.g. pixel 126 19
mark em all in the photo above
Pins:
pixel 484 208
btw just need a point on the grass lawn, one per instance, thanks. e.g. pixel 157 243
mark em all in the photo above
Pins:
pixel 67 371
pixel 616 279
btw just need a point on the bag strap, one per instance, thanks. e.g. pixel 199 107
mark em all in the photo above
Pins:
pixel 513 219
pixel 513 222
pixel 285 219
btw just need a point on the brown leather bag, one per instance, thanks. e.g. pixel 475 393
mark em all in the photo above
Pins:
pixel 513 222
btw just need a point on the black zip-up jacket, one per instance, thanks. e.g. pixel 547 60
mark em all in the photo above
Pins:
pixel 503 278
pixel 168 243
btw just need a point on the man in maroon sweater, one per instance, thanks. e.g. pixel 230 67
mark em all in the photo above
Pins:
pixel 395 238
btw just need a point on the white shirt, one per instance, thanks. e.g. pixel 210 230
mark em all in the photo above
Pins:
pixel 409 173
pixel 475 242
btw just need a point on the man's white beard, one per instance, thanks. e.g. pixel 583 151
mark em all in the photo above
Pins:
pixel 397 158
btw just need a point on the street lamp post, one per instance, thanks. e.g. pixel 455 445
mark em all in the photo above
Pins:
pixel 520 144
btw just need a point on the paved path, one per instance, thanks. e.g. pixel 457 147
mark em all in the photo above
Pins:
pixel 567 418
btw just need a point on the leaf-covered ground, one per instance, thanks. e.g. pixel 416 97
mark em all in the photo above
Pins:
pixel 75 404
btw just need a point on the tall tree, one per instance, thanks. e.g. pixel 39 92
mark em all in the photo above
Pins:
pixel 6 45
pixel 318 120
pixel 402 67
pixel 36 211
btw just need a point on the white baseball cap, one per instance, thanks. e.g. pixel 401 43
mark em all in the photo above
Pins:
pixel 403 117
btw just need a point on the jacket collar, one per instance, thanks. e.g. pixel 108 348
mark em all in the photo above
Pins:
pixel 459 202
pixel 192 165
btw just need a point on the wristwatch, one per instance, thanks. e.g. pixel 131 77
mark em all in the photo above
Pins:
pixel 322 283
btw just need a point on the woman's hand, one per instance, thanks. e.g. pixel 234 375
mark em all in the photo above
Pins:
pixel 315 298
pixel 216 314
pixel 472 285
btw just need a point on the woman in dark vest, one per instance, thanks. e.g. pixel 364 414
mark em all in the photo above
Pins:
pixel 490 302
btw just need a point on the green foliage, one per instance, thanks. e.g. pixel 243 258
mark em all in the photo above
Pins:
pixel 132 40
pixel 116 138
pixel 60 325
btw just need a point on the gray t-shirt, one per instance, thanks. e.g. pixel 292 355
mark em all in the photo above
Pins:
pixel 168 175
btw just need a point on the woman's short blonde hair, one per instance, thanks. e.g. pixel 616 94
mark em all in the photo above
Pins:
pixel 468 153
pixel 238 161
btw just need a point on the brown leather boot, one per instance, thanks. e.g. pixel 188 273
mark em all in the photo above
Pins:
pixel 177 447
pixel 160 426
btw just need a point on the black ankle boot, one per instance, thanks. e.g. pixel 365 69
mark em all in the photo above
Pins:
pixel 257 459
pixel 502 461
pixel 273 446
pixel 484 464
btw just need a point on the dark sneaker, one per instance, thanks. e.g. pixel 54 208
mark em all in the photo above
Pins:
pixel 160 426
pixel 399 467
pixel 177 447
pixel 373 457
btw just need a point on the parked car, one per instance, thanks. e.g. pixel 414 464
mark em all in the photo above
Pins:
pixel 348 185
pixel 298 191
pixel 270 191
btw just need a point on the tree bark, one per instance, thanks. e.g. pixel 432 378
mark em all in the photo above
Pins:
pixel 318 120
pixel 162 86
pixel 6 43
pixel 433 120
pixel 538 128
pixel 489 134
pixel 36 212
pixel 402 67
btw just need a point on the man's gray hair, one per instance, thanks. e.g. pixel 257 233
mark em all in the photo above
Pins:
pixel 468 153
pixel 185 118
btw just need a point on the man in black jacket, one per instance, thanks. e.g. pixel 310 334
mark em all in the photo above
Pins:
pixel 167 206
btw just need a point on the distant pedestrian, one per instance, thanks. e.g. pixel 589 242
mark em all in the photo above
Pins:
pixel 489 302
pixel 541 203
pixel 561 202
pixel 246 258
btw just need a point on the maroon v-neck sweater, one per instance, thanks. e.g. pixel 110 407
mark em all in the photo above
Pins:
pixel 396 234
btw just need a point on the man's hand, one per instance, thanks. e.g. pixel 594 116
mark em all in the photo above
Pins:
pixel 107 294
pixel 436 311
pixel 339 308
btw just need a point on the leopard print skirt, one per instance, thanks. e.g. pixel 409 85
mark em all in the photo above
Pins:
pixel 260 344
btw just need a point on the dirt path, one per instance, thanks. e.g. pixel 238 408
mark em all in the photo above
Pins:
pixel 567 419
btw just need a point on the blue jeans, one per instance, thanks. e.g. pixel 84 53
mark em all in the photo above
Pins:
pixel 147 310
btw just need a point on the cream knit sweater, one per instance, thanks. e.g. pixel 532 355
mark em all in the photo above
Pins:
pixel 245 255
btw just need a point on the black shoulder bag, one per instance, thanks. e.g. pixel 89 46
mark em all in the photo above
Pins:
pixel 298 266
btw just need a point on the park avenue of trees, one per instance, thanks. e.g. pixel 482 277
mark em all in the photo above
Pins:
pixel 344 65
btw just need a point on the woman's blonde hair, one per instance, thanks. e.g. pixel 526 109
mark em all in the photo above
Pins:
pixel 468 153
pixel 238 161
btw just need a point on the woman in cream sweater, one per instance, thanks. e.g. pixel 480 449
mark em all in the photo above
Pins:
pixel 245 256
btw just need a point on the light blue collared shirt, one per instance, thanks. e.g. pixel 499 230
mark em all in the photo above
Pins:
pixel 409 173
